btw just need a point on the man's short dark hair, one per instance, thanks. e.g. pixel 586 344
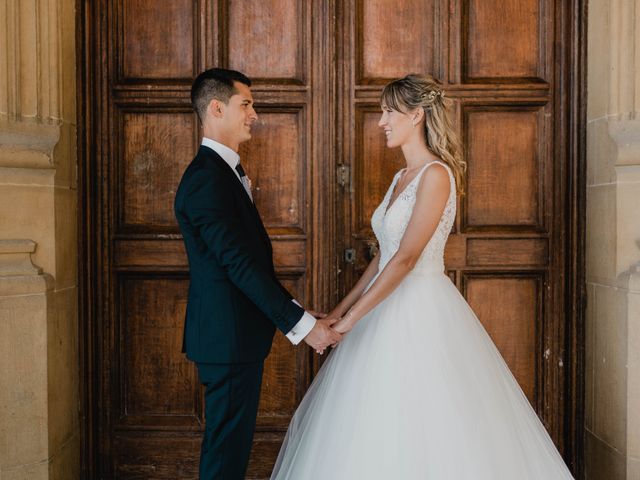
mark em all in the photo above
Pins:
pixel 214 83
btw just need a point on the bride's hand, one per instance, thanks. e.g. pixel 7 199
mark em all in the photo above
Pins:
pixel 341 326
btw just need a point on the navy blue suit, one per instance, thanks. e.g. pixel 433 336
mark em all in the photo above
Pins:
pixel 235 304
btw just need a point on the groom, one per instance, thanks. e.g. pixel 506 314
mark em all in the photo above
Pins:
pixel 235 301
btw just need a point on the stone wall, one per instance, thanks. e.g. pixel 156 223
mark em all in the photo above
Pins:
pixel 39 384
pixel 613 241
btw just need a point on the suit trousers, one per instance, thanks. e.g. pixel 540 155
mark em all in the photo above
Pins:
pixel 232 392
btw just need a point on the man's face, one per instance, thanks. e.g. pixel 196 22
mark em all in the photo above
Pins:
pixel 237 116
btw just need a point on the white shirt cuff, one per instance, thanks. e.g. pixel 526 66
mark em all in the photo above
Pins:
pixel 302 328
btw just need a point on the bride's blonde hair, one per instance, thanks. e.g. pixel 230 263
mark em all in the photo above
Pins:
pixel 424 91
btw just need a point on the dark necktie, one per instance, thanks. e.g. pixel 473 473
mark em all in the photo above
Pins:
pixel 244 179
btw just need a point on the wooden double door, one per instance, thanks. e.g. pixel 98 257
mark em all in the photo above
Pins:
pixel 319 167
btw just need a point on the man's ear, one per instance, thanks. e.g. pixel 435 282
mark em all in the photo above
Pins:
pixel 216 108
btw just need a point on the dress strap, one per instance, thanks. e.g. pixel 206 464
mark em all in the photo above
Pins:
pixel 446 167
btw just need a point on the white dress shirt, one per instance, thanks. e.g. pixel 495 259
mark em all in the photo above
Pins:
pixel 308 321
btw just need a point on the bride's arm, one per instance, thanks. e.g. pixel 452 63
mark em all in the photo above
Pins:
pixel 347 302
pixel 431 199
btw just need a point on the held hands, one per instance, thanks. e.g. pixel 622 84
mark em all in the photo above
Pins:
pixel 344 325
pixel 329 329
pixel 322 335
pixel 346 320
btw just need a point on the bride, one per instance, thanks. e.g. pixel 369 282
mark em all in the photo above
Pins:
pixel 417 389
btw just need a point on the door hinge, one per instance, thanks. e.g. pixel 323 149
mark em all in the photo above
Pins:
pixel 350 255
pixel 343 175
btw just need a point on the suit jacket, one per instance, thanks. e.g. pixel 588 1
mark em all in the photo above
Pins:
pixel 235 300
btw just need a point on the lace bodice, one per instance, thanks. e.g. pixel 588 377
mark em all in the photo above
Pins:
pixel 390 223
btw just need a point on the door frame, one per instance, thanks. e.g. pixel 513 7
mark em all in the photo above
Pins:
pixel 571 92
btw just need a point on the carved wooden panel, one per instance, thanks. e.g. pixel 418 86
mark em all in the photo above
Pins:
pixel 157 147
pixel 502 39
pixel 395 39
pixel 275 161
pixel 156 455
pixel 266 38
pixel 507 251
pixel 509 308
pixel 150 253
pixel 505 168
pixel 158 39
pixel 158 385
pixel 290 254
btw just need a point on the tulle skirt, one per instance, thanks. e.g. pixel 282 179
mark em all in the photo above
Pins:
pixel 417 390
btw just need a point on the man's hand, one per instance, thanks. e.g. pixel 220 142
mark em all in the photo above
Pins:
pixel 322 335
pixel 317 314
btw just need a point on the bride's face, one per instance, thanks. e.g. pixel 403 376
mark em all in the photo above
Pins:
pixel 398 126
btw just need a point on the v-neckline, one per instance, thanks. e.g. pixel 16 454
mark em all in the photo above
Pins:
pixel 395 184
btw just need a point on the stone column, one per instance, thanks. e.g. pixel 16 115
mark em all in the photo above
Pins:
pixel 613 241
pixel 24 301
pixel 39 384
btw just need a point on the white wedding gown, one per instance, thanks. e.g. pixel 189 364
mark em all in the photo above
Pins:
pixel 417 390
